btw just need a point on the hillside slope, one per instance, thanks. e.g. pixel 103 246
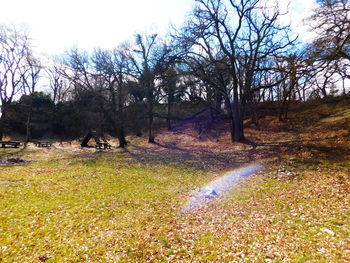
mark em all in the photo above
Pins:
pixel 314 131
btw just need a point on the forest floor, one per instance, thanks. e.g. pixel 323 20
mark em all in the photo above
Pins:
pixel 69 204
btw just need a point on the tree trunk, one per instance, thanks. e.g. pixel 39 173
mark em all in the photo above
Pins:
pixel 212 114
pixel 282 109
pixel 29 121
pixel 28 124
pixel 2 119
pixel 52 119
pixel 150 129
pixel 238 118
pixel 324 86
pixel 299 95
pixel 150 123
pixel 287 108
pixel 86 139
pixel 120 116
pixel 1 130
pixel 121 138
pixel 283 114
pixel 218 103
pixel 271 94
pixel 263 95
pixel 230 115
pixel 169 116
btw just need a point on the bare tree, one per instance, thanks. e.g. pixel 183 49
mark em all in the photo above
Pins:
pixel 332 24
pixel 172 89
pixel 14 47
pixel 79 72
pixel 102 74
pixel 111 68
pixel 148 60
pixel 234 37
pixel 342 68
pixel 59 85
pixel 30 74
pixel 330 51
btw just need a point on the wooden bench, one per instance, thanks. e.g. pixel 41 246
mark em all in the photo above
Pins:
pixel 10 144
pixel 104 145
pixel 43 144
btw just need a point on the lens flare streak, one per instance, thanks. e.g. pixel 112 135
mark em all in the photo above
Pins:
pixel 220 186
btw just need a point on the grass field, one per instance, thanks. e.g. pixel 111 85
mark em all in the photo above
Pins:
pixel 75 205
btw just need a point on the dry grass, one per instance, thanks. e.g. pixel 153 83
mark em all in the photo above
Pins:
pixel 83 205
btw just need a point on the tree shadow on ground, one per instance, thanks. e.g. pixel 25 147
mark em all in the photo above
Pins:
pixel 219 157
pixel 328 152
pixel 172 154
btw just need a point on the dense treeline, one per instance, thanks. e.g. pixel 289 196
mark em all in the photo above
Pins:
pixel 228 57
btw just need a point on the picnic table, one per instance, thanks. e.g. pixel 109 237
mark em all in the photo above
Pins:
pixel 10 144
pixel 104 145
pixel 43 144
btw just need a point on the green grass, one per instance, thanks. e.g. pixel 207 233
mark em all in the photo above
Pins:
pixel 109 207
pixel 88 208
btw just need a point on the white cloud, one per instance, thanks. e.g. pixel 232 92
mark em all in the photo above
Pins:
pixel 56 25
pixel 300 10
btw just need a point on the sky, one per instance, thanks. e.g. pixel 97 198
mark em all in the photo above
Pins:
pixel 57 25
